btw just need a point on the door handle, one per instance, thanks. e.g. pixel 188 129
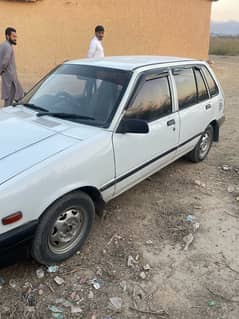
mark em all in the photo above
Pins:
pixel 171 122
pixel 208 106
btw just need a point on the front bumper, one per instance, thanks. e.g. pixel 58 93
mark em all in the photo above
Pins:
pixel 14 244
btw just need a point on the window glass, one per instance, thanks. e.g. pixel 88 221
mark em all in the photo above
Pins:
pixel 213 89
pixel 186 87
pixel 152 101
pixel 202 89
pixel 86 91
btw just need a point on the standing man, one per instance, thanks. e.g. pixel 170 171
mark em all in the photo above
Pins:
pixel 96 49
pixel 11 87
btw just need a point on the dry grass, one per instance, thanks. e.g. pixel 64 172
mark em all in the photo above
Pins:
pixel 224 45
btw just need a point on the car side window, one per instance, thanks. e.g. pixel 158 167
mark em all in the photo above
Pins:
pixel 186 87
pixel 152 101
pixel 213 89
pixel 201 87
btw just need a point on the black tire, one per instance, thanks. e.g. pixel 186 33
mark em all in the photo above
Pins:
pixel 198 154
pixel 72 214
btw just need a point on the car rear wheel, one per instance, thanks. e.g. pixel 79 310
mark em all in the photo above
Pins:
pixel 63 228
pixel 199 153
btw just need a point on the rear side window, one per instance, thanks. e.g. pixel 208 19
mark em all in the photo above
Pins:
pixel 186 87
pixel 213 89
pixel 152 101
pixel 201 87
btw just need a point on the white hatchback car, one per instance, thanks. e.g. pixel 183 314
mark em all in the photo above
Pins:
pixel 90 130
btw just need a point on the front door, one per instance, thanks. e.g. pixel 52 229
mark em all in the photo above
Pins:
pixel 139 155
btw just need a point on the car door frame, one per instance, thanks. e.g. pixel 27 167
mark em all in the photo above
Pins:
pixel 138 83
pixel 187 144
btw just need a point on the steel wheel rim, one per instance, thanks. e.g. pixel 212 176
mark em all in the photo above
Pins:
pixel 67 230
pixel 204 144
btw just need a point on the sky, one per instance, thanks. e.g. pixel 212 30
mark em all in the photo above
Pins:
pixel 224 10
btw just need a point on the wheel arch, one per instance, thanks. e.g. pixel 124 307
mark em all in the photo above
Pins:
pixel 91 191
pixel 96 196
pixel 215 127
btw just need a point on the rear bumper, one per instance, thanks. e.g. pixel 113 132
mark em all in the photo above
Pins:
pixel 216 128
pixel 14 244
pixel 221 120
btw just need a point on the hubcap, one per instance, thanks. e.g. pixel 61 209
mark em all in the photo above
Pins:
pixel 205 144
pixel 67 230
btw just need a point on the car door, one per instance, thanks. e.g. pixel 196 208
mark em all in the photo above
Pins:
pixel 215 105
pixel 193 105
pixel 139 155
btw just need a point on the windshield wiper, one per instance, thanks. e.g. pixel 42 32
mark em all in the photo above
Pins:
pixel 63 115
pixel 33 106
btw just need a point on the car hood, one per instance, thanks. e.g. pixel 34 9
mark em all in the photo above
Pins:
pixel 26 140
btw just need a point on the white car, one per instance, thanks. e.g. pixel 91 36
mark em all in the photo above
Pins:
pixel 90 130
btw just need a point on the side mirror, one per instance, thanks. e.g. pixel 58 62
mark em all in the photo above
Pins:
pixel 133 126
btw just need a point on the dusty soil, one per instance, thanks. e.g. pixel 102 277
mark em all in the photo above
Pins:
pixel 150 223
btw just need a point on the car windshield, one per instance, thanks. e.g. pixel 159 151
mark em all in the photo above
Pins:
pixel 90 93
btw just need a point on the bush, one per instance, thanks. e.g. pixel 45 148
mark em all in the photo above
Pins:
pixel 224 46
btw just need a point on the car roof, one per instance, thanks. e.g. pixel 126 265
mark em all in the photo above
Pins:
pixel 129 62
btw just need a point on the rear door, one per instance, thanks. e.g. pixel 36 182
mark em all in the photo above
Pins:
pixel 193 105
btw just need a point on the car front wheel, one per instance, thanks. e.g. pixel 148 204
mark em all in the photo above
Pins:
pixel 63 228
pixel 199 153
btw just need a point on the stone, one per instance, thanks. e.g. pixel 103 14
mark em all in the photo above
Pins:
pixel 142 275
pixel 230 189
pixel 40 273
pixel 131 262
pixel 59 281
pixel 40 292
pixel 188 241
pixel 91 295
pixel 123 285
pixel 12 283
pixel 76 309
pixel 146 267
pixel 226 168
pixel 116 304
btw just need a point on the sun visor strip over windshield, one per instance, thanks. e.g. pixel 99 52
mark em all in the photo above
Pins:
pixel 99 73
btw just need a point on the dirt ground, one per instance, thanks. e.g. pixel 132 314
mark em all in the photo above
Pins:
pixel 136 252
